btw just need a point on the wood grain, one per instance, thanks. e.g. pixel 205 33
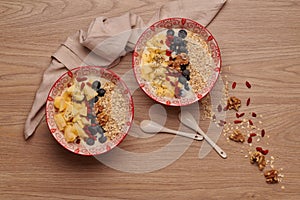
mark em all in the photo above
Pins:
pixel 260 43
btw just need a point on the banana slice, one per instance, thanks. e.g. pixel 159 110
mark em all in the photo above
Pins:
pixel 70 133
pixel 68 114
pixel 60 121
pixel 81 133
pixel 89 92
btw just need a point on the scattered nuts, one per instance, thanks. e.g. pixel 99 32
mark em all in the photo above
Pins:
pixel 179 60
pixel 233 103
pixel 258 158
pixel 237 136
pixel 271 176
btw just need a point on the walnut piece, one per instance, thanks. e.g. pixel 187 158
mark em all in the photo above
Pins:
pixel 178 61
pixel 271 176
pixel 258 158
pixel 102 118
pixel 237 136
pixel 233 103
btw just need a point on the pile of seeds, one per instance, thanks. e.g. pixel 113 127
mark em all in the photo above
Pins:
pixel 206 108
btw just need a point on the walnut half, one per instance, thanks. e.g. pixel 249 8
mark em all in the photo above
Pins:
pixel 258 158
pixel 237 136
pixel 271 176
pixel 233 103
pixel 102 118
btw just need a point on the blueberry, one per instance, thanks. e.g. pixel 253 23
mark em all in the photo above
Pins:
pixel 186 87
pixel 91 116
pixel 90 141
pixel 186 73
pixel 96 85
pixel 182 43
pixel 100 130
pixel 182 93
pixel 182 33
pixel 95 99
pixel 77 141
pixel 170 32
pixel 91 103
pixel 183 67
pixel 93 121
pixel 182 80
pixel 177 41
pixel 172 47
pixel 92 130
pixel 101 92
pixel 102 139
pixel 182 49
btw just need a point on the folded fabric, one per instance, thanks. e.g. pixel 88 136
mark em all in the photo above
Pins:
pixel 106 41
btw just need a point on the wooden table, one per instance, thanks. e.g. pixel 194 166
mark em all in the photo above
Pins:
pixel 260 43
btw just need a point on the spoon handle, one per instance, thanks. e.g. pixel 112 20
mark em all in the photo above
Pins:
pixel 213 144
pixel 188 135
pixel 187 119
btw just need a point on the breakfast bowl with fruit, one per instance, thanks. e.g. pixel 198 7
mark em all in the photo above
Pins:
pixel 176 61
pixel 89 110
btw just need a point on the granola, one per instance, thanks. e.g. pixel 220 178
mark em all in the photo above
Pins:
pixel 111 111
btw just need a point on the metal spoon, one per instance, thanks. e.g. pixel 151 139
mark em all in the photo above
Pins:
pixel 149 126
pixel 187 119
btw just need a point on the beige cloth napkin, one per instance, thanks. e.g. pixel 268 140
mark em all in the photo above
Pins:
pixel 106 41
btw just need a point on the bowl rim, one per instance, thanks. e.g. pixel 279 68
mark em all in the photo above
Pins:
pixel 130 102
pixel 183 20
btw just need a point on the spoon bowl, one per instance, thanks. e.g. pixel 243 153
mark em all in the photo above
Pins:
pixel 149 126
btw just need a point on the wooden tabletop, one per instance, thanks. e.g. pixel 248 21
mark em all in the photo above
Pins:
pixel 260 43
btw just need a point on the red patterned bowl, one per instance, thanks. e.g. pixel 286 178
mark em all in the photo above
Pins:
pixel 120 91
pixel 156 68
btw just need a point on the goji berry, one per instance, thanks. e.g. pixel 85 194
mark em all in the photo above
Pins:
pixel 263 133
pixel 249 140
pixel 259 149
pixel 252 134
pixel 248 84
pixel 248 101
pixel 250 122
pixel 233 85
pixel 219 108
pixel 239 115
pixel 265 152
pixel 237 121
